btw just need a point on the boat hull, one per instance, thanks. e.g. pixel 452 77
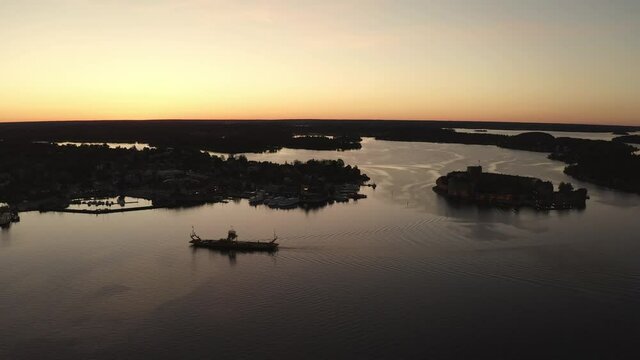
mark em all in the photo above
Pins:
pixel 229 245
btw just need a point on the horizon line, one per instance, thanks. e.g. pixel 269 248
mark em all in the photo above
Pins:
pixel 523 122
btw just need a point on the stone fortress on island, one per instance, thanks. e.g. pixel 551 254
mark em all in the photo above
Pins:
pixel 480 187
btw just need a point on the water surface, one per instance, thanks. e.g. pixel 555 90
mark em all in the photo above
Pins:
pixel 401 274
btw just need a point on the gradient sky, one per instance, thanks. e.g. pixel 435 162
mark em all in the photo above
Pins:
pixel 527 60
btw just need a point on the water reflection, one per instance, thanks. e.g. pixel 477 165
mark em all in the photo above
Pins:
pixel 233 255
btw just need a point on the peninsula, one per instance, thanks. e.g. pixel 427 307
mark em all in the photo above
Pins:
pixel 43 176
pixel 479 187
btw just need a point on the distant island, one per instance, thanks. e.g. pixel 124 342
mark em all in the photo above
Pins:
pixel 484 188
pixel 42 176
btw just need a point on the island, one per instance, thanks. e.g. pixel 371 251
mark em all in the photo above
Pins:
pixel 50 177
pixel 476 186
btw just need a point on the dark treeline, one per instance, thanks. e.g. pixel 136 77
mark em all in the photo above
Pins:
pixel 220 136
pixel 608 163
pixel 260 136
pixel 629 139
pixel 46 176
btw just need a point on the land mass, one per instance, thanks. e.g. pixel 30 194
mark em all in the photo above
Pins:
pixel 613 164
pixel 629 139
pixel 479 187
pixel 42 176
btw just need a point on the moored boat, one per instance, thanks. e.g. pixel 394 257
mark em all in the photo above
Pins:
pixel 5 219
pixel 7 216
pixel 231 243
pixel 289 203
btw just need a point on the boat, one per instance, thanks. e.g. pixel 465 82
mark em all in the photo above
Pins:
pixel 288 203
pixel 257 199
pixel 275 202
pixel 8 217
pixel 340 198
pixel 5 219
pixel 231 243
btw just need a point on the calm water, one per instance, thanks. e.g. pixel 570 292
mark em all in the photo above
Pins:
pixel 401 274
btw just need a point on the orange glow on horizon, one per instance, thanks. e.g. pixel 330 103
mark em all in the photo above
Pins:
pixel 212 59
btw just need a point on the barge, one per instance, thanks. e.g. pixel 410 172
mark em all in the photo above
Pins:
pixel 231 243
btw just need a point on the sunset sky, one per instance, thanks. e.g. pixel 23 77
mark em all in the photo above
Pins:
pixel 519 60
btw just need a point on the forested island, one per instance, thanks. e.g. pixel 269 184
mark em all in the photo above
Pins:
pixel 478 187
pixel 42 176
pixel 613 164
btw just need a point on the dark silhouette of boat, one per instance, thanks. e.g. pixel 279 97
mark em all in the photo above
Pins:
pixel 7 216
pixel 231 243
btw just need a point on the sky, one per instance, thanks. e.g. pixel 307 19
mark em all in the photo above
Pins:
pixel 567 61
